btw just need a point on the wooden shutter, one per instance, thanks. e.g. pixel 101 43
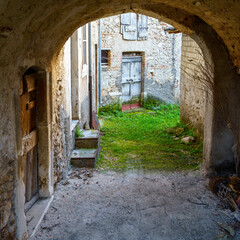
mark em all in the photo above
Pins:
pixel 129 26
pixel 125 19
pixel 142 27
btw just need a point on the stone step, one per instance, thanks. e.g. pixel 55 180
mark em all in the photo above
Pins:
pixel 85 157
pixel 91 139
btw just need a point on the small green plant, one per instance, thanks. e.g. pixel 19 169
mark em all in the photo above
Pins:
pixel 111 109
pixel 152 103
pixel 79 133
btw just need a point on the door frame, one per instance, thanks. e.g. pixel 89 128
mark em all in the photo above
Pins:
pixel 132 55
pixel 43 99
pixel 28 116
pixel 45 157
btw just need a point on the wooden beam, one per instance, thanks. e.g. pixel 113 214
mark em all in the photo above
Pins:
pixel 29 142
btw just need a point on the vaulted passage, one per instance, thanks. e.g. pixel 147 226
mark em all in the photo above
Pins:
pixel 31 36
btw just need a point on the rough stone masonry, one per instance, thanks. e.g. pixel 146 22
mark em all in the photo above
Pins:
pixel 161 60
pixel 32 34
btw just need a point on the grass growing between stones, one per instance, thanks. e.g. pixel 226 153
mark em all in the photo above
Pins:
pixel 139 140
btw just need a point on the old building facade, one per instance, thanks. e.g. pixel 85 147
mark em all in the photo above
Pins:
pixel 139 48
pixel 31 36
pixel 52 106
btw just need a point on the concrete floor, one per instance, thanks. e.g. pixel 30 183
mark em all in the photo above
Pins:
pixel 134 205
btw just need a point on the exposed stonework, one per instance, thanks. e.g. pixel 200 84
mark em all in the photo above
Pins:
pixel 33 32
pixel 7 164
pixel 192 101
pixel 61 111
pixel 161 59
pixel 62 68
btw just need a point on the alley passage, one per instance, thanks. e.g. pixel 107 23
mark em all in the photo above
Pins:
pixel 133 206
pixel 143 139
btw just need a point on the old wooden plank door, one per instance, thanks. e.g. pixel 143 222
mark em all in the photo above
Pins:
pixel 29 135
pixel 131 79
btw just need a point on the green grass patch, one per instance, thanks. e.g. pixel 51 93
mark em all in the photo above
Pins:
pixel 140 140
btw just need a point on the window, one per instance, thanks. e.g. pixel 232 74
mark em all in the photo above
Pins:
pixel 134 26
pixel 84 44
pixel 105 57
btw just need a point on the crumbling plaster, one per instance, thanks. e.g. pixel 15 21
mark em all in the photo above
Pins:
pixel 32 33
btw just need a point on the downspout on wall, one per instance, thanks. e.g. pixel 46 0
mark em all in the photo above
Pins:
pixel 99 61
pixel 90 71
pixel 174 71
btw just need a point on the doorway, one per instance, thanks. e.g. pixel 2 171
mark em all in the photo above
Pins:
pixel 131 81
pixel 28 116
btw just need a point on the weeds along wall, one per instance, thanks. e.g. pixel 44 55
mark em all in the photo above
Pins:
pixel 193 95
pixel 161 60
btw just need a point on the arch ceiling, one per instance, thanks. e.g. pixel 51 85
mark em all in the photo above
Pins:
pixel 37 29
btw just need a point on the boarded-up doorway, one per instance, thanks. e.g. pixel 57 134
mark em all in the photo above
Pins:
pixel 131 81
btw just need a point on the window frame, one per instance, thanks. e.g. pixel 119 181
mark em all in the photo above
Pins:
pixel 108 63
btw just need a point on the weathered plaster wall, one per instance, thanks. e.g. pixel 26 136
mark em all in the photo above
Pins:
pixel 161 60
pixel 7 163
pixel 32 32
pixel 84 81
pixel 95 49
pixel 222 16
pixel 192 100
pixel 61 102
pixel 81 73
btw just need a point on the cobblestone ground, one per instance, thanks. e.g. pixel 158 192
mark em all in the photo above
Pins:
pixel 134 205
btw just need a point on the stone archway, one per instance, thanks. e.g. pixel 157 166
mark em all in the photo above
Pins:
pixel 33 33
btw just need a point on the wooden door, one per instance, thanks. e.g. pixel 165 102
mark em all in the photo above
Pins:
pixel 29 135
pixel 131 79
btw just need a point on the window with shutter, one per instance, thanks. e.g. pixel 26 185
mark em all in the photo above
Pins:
pixel 129 26
pixel 125 19
pixel 134 27
pixel 142 27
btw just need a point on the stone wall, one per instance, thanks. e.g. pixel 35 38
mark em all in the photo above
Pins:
pixel 61 102
pixel 161 58
pixel 7 164
pixel 192 101
pixel 62 128
pixel 84 75
pixel 32 32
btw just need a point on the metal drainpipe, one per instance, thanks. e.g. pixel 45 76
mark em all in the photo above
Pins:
pixel 90 70
pixel 174 72
pixel 99 61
